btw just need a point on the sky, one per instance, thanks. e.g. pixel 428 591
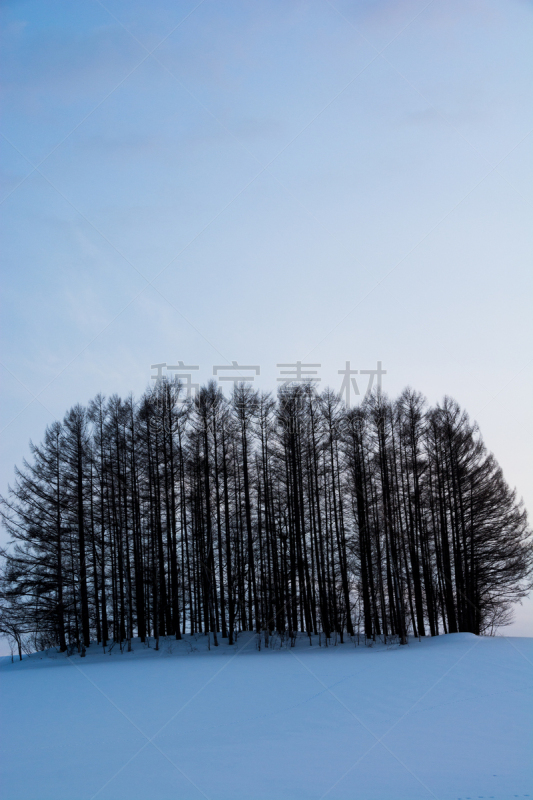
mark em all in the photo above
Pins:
pixel 268 183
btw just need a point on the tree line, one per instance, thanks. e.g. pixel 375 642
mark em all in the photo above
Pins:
pixel 168 515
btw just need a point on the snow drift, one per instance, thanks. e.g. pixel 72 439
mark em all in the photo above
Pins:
pixel 447 718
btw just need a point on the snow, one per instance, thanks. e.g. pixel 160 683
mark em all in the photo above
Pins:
pixel 449 717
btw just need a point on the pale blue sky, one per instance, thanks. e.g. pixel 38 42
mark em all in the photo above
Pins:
pixel 279 181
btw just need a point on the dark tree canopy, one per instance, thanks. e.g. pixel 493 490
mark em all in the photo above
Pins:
pixel 166 516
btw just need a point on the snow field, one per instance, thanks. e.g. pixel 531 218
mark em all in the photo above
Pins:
pixel 448 718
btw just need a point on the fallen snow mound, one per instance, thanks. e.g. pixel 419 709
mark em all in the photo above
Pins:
pixel 446 718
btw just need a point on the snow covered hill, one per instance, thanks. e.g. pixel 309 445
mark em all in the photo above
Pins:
pixel 449 718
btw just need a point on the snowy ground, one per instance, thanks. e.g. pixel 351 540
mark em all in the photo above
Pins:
pixel 449 717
